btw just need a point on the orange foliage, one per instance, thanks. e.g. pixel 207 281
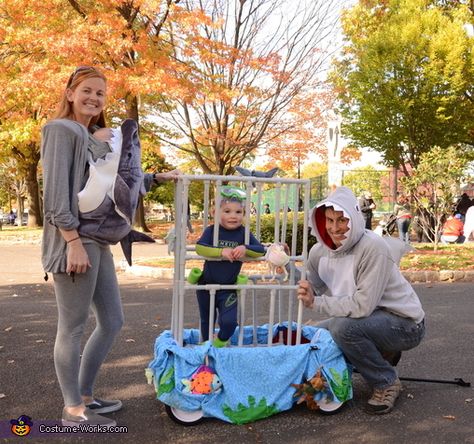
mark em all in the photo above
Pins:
pixel 306 133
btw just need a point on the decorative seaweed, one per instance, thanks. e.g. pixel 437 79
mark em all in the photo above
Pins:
pixel 243 414
pixel 340 384
pixel 166 383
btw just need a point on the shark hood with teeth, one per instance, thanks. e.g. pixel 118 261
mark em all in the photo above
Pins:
pixel 342 199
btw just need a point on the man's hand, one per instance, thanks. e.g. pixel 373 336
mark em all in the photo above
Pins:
pixel 305 293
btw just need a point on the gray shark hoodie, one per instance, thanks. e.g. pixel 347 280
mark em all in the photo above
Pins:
pixel 362 274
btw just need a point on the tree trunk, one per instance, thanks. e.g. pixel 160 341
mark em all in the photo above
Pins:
pixel 35 217
pixel 20 209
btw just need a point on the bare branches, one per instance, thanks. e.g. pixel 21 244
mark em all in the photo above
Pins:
pixel 248 65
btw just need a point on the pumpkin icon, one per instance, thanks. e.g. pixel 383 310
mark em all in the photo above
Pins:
pixel 21 426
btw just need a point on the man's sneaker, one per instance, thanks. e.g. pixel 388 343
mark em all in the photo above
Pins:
pixel 383 400
pixel 103 406
pixel 88 418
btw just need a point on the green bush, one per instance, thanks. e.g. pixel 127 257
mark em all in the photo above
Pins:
pixel 267 231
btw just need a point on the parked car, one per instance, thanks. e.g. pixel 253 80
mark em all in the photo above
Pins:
pixel 24 219
pixel 4 218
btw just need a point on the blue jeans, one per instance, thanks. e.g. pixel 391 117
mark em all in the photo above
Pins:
pixel 363 340
pixel 403 226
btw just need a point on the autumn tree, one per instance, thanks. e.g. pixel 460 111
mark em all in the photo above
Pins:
pixel 42 44
pixel 367 178
pixel 434 186
pixel 405 78
pixel 247 67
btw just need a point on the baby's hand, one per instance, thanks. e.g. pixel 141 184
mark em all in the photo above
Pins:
pixel 103 134
pixel 227 253
pixel 238 252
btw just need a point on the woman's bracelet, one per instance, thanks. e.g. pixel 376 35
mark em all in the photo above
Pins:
pixel 155 180
pixel 73 239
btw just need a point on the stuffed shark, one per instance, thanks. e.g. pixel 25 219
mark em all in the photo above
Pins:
pixel 246 172
pixel 108 202
pixel 253 173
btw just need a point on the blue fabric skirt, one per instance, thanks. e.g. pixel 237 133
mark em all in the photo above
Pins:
pixel 250 382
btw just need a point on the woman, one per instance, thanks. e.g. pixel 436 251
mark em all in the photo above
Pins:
pixel 403 214
pixel 83 269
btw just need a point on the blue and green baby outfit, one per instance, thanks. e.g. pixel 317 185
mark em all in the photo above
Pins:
pixel 224 273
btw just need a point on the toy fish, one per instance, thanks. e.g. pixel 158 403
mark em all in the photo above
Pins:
pixel 203 382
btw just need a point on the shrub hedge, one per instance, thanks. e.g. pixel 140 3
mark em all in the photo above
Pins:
pixel 267 230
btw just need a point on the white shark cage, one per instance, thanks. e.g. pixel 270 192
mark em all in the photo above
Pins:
pixel 286 191
pixel 283 351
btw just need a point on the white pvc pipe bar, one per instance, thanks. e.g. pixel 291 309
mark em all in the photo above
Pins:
pixel 271 317
pixel 299 319
pixel 205 220
pixel 241 301
pixel 182 258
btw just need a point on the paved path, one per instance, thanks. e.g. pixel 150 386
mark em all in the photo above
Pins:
pixel 426 413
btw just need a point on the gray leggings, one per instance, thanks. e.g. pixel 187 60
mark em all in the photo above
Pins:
pixel 97 289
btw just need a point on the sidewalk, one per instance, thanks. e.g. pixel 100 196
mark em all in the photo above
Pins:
pixel 159 249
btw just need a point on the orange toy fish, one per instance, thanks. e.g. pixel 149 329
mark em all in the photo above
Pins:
pixel 203 382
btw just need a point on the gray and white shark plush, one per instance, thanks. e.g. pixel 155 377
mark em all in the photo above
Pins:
pixel 108 202
pixel 247 172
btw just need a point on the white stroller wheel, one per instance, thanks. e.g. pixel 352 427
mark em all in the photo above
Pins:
pixel 330 407
pixel 184 417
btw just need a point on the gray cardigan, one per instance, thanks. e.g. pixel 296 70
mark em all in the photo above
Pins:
pixel 64 148
pixel 64 157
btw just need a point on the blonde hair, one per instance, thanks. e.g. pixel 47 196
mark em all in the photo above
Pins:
pixel 65 110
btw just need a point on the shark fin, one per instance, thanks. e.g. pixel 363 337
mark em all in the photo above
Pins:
pixel 126 243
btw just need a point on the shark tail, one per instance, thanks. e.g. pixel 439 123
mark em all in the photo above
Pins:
pixel 126 243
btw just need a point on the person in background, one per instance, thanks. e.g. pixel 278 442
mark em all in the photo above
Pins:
pixel 231 249
pixel 266 209
pixel 452 231
pixel 253 209
pixel 367 205
pixel 353 277
pixel 469 225
pixel 463 205
pixel 403 214
pixel 11 217
pixel 83 269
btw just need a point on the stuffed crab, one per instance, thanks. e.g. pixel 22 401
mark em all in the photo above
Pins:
pixel 277 259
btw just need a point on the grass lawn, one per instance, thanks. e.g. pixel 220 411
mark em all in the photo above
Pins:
pixel 448 257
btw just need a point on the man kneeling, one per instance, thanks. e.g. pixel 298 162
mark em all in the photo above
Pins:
pixel 353 276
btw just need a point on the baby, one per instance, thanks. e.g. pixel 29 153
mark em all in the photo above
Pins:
pixel 231 248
